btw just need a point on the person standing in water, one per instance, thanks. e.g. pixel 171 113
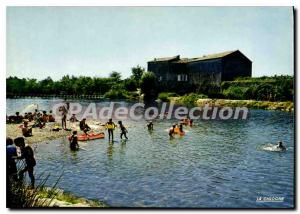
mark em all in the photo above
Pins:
pixel 110 126
pixel 11 153
pixel 74 141
pixel 123 130
pixel 172 131
pixel 28 155
pixel 150 126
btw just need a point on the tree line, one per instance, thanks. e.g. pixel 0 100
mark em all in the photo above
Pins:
pixel 112 86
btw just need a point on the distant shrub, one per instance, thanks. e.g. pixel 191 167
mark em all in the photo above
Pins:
pixel 164 96
pixel 117 94
pixel 191 99
pixel 235 92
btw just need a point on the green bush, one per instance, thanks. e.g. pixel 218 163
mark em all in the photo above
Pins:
pixel 191 99
pixel 277 88
pixel 164 96
pixel 117 94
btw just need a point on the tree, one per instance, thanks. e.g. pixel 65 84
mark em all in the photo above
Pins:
pixel 137 73
pixel 130 84
pixel 115 75
pixel 148 85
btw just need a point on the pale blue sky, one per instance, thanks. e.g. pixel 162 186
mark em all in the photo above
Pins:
pixel 93 41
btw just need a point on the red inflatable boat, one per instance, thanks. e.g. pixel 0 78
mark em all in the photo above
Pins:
pixel 91 136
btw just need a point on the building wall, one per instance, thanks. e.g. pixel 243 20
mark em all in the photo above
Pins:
pixel 203 72
pixel 160 69
pixel 236 65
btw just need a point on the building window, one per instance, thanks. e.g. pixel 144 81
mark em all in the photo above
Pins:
pixel 182 78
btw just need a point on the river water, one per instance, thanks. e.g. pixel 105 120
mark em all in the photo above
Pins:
pixel 217 164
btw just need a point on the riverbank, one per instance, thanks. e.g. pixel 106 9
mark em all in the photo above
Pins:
pixel 46 134
pixel 287 106
pixel 49 197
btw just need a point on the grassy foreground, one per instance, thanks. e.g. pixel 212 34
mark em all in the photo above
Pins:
pixel 59 198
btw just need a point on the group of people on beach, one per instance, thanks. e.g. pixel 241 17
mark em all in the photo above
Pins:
pixel 38 118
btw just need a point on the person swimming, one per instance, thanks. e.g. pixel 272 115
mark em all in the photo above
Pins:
pixel 280 146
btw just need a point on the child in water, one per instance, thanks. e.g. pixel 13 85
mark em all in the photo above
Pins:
pixel 74 141
pixel 123 130
pixel 110 126
pixel 150 126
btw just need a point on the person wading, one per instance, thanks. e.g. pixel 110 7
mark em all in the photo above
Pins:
pixel 110 126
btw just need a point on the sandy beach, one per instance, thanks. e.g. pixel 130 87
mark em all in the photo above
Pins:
pixel 46 134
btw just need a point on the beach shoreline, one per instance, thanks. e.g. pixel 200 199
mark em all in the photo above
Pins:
pixel 46 134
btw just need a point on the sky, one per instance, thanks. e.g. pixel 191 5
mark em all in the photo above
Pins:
pixel 94 41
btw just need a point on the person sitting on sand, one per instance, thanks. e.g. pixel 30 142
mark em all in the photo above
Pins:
pixel 18 118
pixel 150 126
pixel 26 131
pixel 73 118
pixel 30 116
pixel 27 154
pixel 45 117
pixel 39 121
pixel 74 141
pixel 110 126
pixel 35 113
pixel 123 130
pixel 50 117
pixel 280 146
pixel 83 126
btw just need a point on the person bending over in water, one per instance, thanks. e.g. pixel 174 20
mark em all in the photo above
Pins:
pixel 26 131
pixel 83 126
pixel 280 146
pixel 150 126
pixel 123 130
pixel 74 141
pixel 28 155
pixel 110 126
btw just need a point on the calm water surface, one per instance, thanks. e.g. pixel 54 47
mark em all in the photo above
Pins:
pixel 216 164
